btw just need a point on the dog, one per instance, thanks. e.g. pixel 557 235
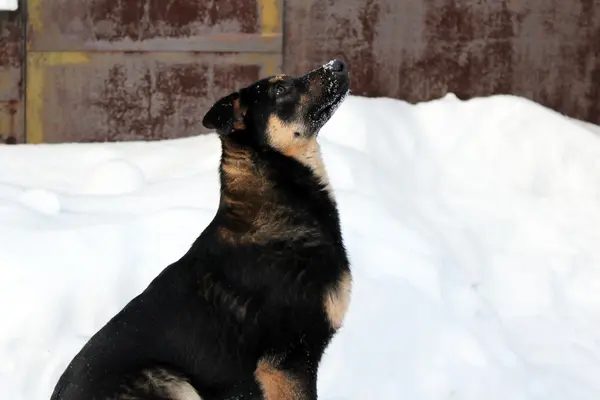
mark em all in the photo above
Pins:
pixel 249 310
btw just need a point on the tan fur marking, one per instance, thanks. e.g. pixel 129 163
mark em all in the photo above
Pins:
pixel 306 150
pixel 277 78
pixel 237 167
pixel 238 113
pixel 265 226
pixel 337 300
pixel 275 383
pixel 239 125
pixel 246 193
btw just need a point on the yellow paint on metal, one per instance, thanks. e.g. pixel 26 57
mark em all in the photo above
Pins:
pixel 51 59
pixel 35 99
pixel 4 120
pixel 37 63
pixel 270 64
pixel 270 67
pixel 270 16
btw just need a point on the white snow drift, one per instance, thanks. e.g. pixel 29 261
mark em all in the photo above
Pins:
pixel 473 228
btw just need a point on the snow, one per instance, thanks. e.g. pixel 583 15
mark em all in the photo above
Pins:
pixel 8 5
pixel 472 227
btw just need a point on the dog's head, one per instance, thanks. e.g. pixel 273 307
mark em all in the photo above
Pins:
pixel 281 112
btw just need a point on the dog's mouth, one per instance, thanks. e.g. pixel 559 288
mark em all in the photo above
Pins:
pixel 330 86
pixel 328 108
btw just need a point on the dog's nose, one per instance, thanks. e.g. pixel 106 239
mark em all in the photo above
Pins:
pixel 337 66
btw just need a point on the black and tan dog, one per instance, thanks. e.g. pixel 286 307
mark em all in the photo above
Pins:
pixel 248 311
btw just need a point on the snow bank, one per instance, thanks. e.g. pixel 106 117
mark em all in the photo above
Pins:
pixel 8 5
pixel 473 229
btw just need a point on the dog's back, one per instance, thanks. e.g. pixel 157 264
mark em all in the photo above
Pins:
pixel 247 312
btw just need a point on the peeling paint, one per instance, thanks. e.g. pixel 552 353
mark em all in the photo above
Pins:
pixel 136 96
pixel 151 24
pixel 145 19
pixel 148 69
pixel 11 122
pixel 141 69
pixel 11 55
pixel 140 104
pixel 11 60
pixel 11 35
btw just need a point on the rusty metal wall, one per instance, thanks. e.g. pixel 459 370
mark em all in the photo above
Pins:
pixel 11 88
pixel 108 70
pixel 89 97
pixel 155 25
pixel 418 50
pixel 145 69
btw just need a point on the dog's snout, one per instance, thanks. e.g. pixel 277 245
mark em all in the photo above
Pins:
pixel 337 66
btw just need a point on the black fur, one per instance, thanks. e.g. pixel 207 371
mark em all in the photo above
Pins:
pixel 234 300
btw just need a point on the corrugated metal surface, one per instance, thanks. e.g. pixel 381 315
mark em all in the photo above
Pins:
pixel 11 59
pixel 417 50
pixel 131 96
pixel 107 70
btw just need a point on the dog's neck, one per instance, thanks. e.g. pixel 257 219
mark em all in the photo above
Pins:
pixel 237 171
pixel 240 174
pixel 308 153
pixel 249 200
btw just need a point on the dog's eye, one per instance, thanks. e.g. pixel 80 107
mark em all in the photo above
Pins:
pixel 281 88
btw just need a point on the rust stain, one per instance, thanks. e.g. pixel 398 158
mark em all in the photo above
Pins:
pixel 232 77
pixel 589 21
pixel 547 51
pixel 11 55
pixel 138 96
pixel 139 20
pixel 366 16
pixel 188 16
pixel 463 43
pixel 152 25
pixel 139 106
pixel 145 106
pixel 11 35
pixel 11 122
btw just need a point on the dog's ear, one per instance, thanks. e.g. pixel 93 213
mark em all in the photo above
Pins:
pixel 225 115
